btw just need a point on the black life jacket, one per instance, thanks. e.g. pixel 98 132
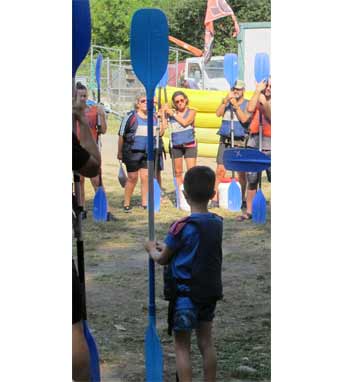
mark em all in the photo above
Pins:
pixel 205 283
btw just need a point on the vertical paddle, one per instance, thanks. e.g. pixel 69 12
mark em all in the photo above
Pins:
pixel 231 74
pixel 177 196
pixel 262 72
pixel 149 50
pixel 100 201
pixel 81 32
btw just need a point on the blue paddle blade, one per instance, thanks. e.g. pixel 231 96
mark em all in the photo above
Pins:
pixel 157 196
pixel 164 79
pixel 100 205
pixel 246 160
pixel 231 68
pixel 149 47
pixel 94 354
pixel 262 67
pixel 98 69
pixel 234 196
pixel 153 354
pixel 259 208
pixel 81 32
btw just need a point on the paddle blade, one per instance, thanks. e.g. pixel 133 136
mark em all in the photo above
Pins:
pixel 259 208
pixel 246 160
pixel 153 354
pixel 100 205
pixel 122 177
pixel 231 68
pixel 262 67
pixel 157 196
pixel 164 79
pixel 81 32
pixel 94 354
pixel 98 69
pixel 234 196
pixel 149 46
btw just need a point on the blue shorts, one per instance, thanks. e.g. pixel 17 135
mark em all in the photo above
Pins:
pixel 188 319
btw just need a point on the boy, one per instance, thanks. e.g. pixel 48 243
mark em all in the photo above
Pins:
pixel 193 251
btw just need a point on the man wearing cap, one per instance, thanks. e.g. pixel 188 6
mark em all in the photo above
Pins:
pixel 233 105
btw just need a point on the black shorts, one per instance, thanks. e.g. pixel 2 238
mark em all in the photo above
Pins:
pixel 223 146
pixel 186 152
pixel 76 296
pixel 135 161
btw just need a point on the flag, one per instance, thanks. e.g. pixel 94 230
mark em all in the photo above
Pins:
pixel 216 9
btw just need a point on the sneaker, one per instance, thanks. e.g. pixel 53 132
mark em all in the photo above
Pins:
pixel 214 204
pixel 111 217
pixel 127 209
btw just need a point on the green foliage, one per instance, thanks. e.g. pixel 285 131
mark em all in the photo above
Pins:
pixel 111 21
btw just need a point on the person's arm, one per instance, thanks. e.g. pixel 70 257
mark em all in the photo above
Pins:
pixel 162 121
pixel 160 253
pixel 183 121
pixel 120 146
pixel 103 123
pixel 243 116
pixel 121 133
pixel 91 167
pixel 265 106
pixel 255 98
pixel 221 109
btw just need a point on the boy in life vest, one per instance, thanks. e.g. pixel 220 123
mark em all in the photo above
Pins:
pixel 192 251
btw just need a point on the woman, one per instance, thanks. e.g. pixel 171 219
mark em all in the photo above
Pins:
pixel 95 116
pixel 132 150
pixel 182 131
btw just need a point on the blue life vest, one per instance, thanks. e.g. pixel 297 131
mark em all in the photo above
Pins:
pixel 239 128
pixel 135 136
pixel 205 283
pixel 182 135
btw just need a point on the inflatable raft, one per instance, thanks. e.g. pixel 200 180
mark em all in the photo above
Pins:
pixel 205 102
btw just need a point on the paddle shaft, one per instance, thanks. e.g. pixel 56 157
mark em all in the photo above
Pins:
pixel 151 223
pixel 98 127
pixel 157 135
pixel 260 141
pixel 232 133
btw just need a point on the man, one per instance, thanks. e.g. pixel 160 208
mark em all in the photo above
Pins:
pixel 260 107
pixel 86 161
pixel 236 103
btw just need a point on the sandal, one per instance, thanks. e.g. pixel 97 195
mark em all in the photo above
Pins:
pixel 245 216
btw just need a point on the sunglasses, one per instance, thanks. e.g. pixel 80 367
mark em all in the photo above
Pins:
pixel 142 100
pixel 239 90
pixel 180 101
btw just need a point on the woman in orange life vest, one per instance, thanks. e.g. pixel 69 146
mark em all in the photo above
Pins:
pixel 259 105
pixel 132 149
pixel 181 123
pixel 91 114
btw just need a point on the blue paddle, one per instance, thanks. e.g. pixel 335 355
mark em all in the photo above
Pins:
pixel 231 74
pixel 100 205
pixel 262 72
pixel 149 51
pixel 81 32
pixel 245 160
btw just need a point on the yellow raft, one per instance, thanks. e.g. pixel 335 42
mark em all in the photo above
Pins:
pixel 205 102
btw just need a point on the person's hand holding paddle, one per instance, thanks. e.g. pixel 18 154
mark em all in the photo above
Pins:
pixel 261 86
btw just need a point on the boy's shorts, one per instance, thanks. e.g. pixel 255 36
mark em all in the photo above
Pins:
pixel 189 319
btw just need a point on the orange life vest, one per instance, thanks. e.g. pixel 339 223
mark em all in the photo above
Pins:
pixel 255 122
pixel 91 116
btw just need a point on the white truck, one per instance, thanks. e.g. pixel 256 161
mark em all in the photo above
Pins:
pixel 253 38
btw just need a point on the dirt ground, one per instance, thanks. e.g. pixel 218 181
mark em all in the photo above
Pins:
pixel 116 275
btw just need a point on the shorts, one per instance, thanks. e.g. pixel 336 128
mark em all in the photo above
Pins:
pixel 189 319
pixel 76 296
pixel 223 146
pixel 186 152
pixel 135 162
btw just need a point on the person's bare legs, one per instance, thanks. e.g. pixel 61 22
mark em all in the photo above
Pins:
pixel 144 185
pixel 220 173
pixel 130 186
pixel 179 171
pixel 249 200
pixel 80 354
pixel 190 163
pixel 243 182
pixel 95 181
pixel 183 360
pixel 207 350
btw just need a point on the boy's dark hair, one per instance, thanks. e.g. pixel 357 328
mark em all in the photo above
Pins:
pixel 199 183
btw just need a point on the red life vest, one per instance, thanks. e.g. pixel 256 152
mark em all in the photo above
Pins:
pixel 91 116
pixel 255 122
